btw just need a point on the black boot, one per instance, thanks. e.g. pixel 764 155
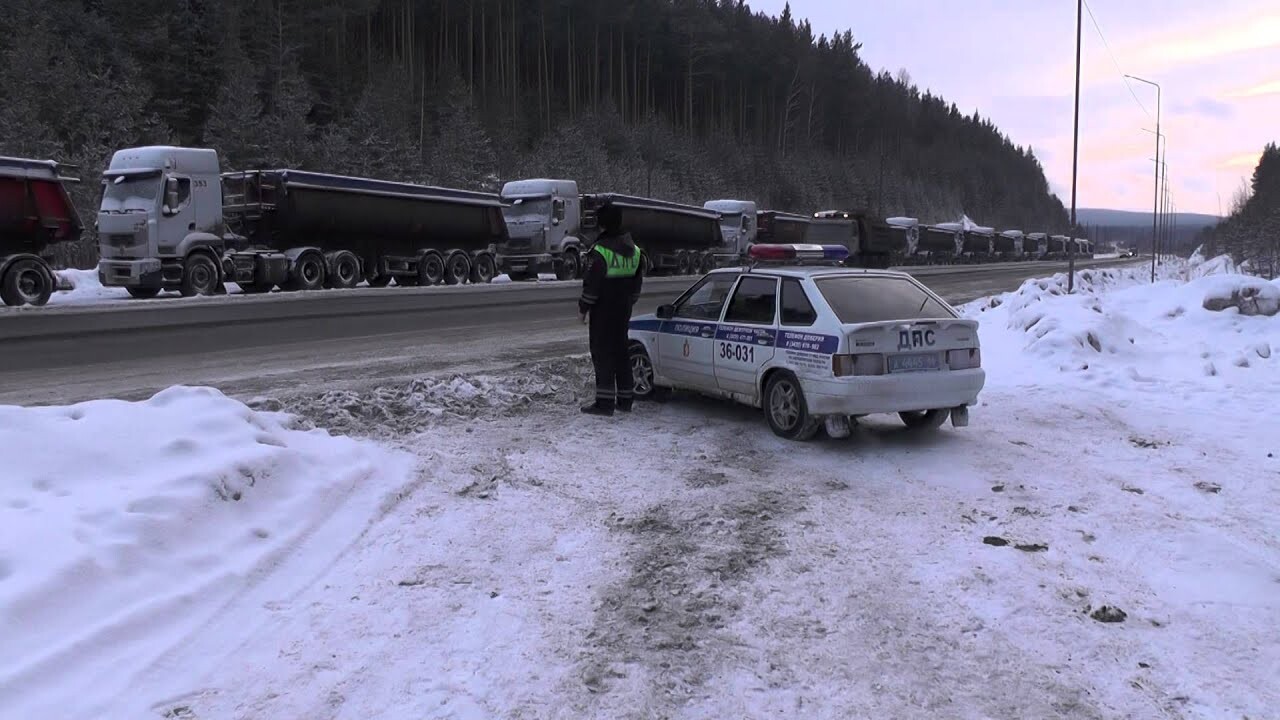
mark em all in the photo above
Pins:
pixel 602 408
pixel 624 405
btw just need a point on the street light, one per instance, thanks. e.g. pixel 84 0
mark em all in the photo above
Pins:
pixel 1075 156
pixel 1155 209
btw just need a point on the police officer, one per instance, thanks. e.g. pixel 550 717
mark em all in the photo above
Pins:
pixel 610 288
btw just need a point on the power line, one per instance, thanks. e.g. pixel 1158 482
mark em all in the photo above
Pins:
pixel 1115 62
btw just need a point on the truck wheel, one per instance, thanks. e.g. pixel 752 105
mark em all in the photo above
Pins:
pixel 786 410
pixel 307 272
pixel 457 268
pixel 199 276
pixel 27 282
pixel 570 266
pixel 143 293
pixel 345 272
pixel 924 420
pixel 483 269
pixel 708 263
pixel 430 268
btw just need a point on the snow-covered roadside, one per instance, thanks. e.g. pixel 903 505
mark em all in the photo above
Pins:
pixel 683 562
pixel 129 529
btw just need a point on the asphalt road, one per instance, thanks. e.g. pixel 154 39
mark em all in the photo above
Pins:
pixel 262 345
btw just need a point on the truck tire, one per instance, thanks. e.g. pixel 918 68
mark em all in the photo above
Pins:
pixel 27 282
pixel 683 264
pixel 307 272
pixel 570 266
pixel 457 268
pixel 199 275
pixel 344 271
pixel 430 268
pixel 483 269
pixel 708 263
pixel 143 293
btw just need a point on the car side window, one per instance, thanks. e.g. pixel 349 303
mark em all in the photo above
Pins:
pixel 755 302
pixel 705 300
pixel 797 311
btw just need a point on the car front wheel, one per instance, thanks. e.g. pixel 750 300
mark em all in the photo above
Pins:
pixel 786 410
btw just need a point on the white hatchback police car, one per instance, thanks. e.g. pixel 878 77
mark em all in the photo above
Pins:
pixel 813 344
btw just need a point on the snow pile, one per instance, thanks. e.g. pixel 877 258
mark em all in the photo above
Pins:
pixel 1118 328
pixel 81 287
pixel 127 527
pixel 427 401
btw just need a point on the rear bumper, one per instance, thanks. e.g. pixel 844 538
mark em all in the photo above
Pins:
pixel 145 273
pixel 903 392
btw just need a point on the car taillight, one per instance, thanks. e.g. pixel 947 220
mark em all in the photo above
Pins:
pixel 964 359
pixel 847 365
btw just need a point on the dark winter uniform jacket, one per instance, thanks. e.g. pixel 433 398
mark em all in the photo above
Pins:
pixel 611 295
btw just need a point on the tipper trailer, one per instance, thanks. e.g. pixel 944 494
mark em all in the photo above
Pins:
pixel 35 212
pixel 170 220
pixel 676 239
pixel 871 243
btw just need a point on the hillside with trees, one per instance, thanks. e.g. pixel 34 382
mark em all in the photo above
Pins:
pixel 687 100
pixel 1251 233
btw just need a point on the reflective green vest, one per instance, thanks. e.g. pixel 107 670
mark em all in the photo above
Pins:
pixel 619 266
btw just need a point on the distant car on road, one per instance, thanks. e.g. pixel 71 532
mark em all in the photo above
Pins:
pixel 813 344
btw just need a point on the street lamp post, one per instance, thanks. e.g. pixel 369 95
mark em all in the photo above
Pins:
pixel 1075 156
pixel 1155 209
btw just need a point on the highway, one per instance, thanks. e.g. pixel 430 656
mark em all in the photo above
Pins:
pixel 259 345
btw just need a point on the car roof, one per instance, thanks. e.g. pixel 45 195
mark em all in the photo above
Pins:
pixel 811 271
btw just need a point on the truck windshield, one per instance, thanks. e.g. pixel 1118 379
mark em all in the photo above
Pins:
pixel 528 210
pixel 123 194
pixel 875 299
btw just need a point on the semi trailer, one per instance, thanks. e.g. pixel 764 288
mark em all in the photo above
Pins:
pixel 676 239
pixel 1035 245
pixel 171 220
pixel 871 243
pixel 1007 245
pixel 36 212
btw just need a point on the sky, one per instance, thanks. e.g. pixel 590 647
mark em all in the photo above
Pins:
pixel 1013 61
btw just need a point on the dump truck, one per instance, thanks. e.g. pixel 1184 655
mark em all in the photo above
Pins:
pixel 677 239
pixel 36 212
pixel 871 243
pixel 171 220
pixel 942 242
pixel 1007 245
pixel 743 224
pixel 1035 245
pixel 979 244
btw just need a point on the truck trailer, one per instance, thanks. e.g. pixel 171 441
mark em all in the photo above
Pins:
pixel 1008 244
pixel 170 220
pixel 871 243
pixel 35 212
pixel 676 239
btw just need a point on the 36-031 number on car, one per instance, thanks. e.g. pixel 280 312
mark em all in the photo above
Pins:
pixel 740 353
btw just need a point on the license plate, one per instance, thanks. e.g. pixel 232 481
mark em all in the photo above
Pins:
pixel 917 362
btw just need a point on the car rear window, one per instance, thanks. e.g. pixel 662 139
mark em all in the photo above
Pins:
pixel 874 299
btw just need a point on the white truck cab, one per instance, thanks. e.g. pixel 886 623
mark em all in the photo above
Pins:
pixel 738 223
pixel 544 222
pixel 160 206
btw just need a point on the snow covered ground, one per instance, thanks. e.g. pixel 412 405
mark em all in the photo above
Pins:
pixel 1101 542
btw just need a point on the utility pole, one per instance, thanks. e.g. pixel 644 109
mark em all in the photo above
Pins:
pixel 1155 204
pixel 1075 156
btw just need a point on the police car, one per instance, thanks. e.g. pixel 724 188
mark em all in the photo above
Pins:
pixel 812 343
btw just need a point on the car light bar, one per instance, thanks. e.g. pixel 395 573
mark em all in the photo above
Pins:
pixel 797 252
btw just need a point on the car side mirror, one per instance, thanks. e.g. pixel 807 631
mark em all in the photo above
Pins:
pixel 666 312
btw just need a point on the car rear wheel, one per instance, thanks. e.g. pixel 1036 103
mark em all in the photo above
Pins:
pixel 924 419
pixel 786 410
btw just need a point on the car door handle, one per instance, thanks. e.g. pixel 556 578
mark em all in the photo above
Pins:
pixel 707 333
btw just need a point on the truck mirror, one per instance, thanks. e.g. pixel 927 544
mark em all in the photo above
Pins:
pixel 555 221
pixel 666 312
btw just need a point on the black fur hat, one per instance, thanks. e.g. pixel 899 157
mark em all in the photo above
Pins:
pixel 610 217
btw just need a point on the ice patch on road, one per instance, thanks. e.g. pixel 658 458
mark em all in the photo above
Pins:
pixel 128 526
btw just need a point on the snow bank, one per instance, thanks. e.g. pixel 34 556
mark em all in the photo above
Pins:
pixel 126 527
pixel 1118 327
pixel 81 287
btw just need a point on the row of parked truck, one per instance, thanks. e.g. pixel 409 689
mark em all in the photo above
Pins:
pixel 170 219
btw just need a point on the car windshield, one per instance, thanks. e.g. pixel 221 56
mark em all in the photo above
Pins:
pixel 123 193
pixel 528 210
pixel 875 299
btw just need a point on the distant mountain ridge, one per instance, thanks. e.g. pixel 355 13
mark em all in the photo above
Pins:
pixel 1099 217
